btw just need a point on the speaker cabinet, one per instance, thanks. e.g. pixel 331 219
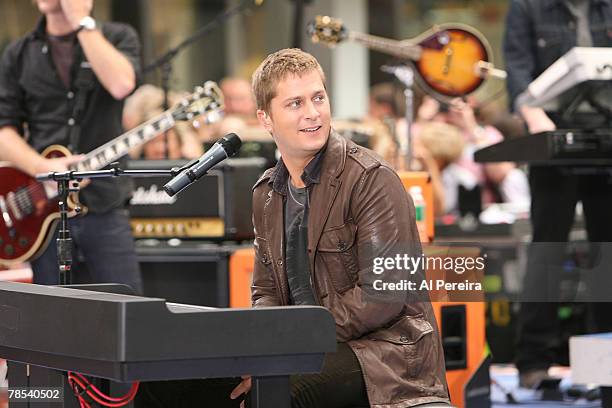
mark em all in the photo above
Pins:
pixel 462 329
pixel 454 336
pixel 190 272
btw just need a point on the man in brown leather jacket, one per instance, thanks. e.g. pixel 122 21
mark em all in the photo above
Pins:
pixel 321 216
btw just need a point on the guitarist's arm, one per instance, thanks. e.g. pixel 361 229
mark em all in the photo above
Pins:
pixel 112 68
pixel 14 149
pixel 114 61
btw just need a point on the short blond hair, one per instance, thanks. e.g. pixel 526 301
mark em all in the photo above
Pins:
pixel 276 67
pixel 444 142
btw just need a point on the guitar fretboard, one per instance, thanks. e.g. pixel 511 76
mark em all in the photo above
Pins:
pixel 120 146
pixel 400 49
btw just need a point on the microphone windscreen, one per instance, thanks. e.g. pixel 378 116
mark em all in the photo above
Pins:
pixel 231 144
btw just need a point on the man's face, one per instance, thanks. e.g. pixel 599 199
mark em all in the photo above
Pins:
pixel 238 98
pixel 49 6
pixel 299 117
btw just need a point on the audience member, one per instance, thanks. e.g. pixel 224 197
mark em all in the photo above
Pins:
pixel 180 142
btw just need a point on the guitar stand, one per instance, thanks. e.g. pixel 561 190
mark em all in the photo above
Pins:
pixel 68 182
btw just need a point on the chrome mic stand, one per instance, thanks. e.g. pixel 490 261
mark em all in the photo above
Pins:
pixel 405 74
pixel 67 182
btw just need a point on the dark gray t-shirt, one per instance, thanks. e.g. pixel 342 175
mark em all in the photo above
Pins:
pixel 296 246
pixel 62 51
pixel 294 206
pixel 295 218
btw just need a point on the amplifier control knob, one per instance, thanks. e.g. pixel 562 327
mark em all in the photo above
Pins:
pixel 139 227
pixel 169 228
pixel 148 228
pixel 180 228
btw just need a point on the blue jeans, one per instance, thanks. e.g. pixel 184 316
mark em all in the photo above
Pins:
pixel 102 252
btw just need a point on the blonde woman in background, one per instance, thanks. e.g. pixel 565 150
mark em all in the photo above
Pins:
pixel 499 181
pixel 436 148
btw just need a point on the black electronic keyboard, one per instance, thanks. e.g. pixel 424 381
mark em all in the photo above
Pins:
pixel 560 147
pixel 129 338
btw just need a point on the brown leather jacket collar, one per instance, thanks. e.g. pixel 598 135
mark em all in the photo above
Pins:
pixel 311 175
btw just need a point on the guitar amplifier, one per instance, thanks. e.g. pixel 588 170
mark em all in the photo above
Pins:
pixel 216 207
pixel 190 272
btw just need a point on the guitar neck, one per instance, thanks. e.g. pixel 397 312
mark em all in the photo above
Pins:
pixel 401 49
pixel 120 146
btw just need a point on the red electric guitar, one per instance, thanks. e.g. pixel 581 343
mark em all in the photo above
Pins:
pixel 29 209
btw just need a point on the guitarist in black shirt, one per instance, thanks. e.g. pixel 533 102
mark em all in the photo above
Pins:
pixel 64 83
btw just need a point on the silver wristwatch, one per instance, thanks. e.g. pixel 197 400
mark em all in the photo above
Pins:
pixel 87 23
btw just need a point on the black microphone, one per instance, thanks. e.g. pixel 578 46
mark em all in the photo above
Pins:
pixel 225 147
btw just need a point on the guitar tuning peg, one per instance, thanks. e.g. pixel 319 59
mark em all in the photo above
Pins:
pixel 78 209
pixel 207 118
pixel 196 124
pixel 213 116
